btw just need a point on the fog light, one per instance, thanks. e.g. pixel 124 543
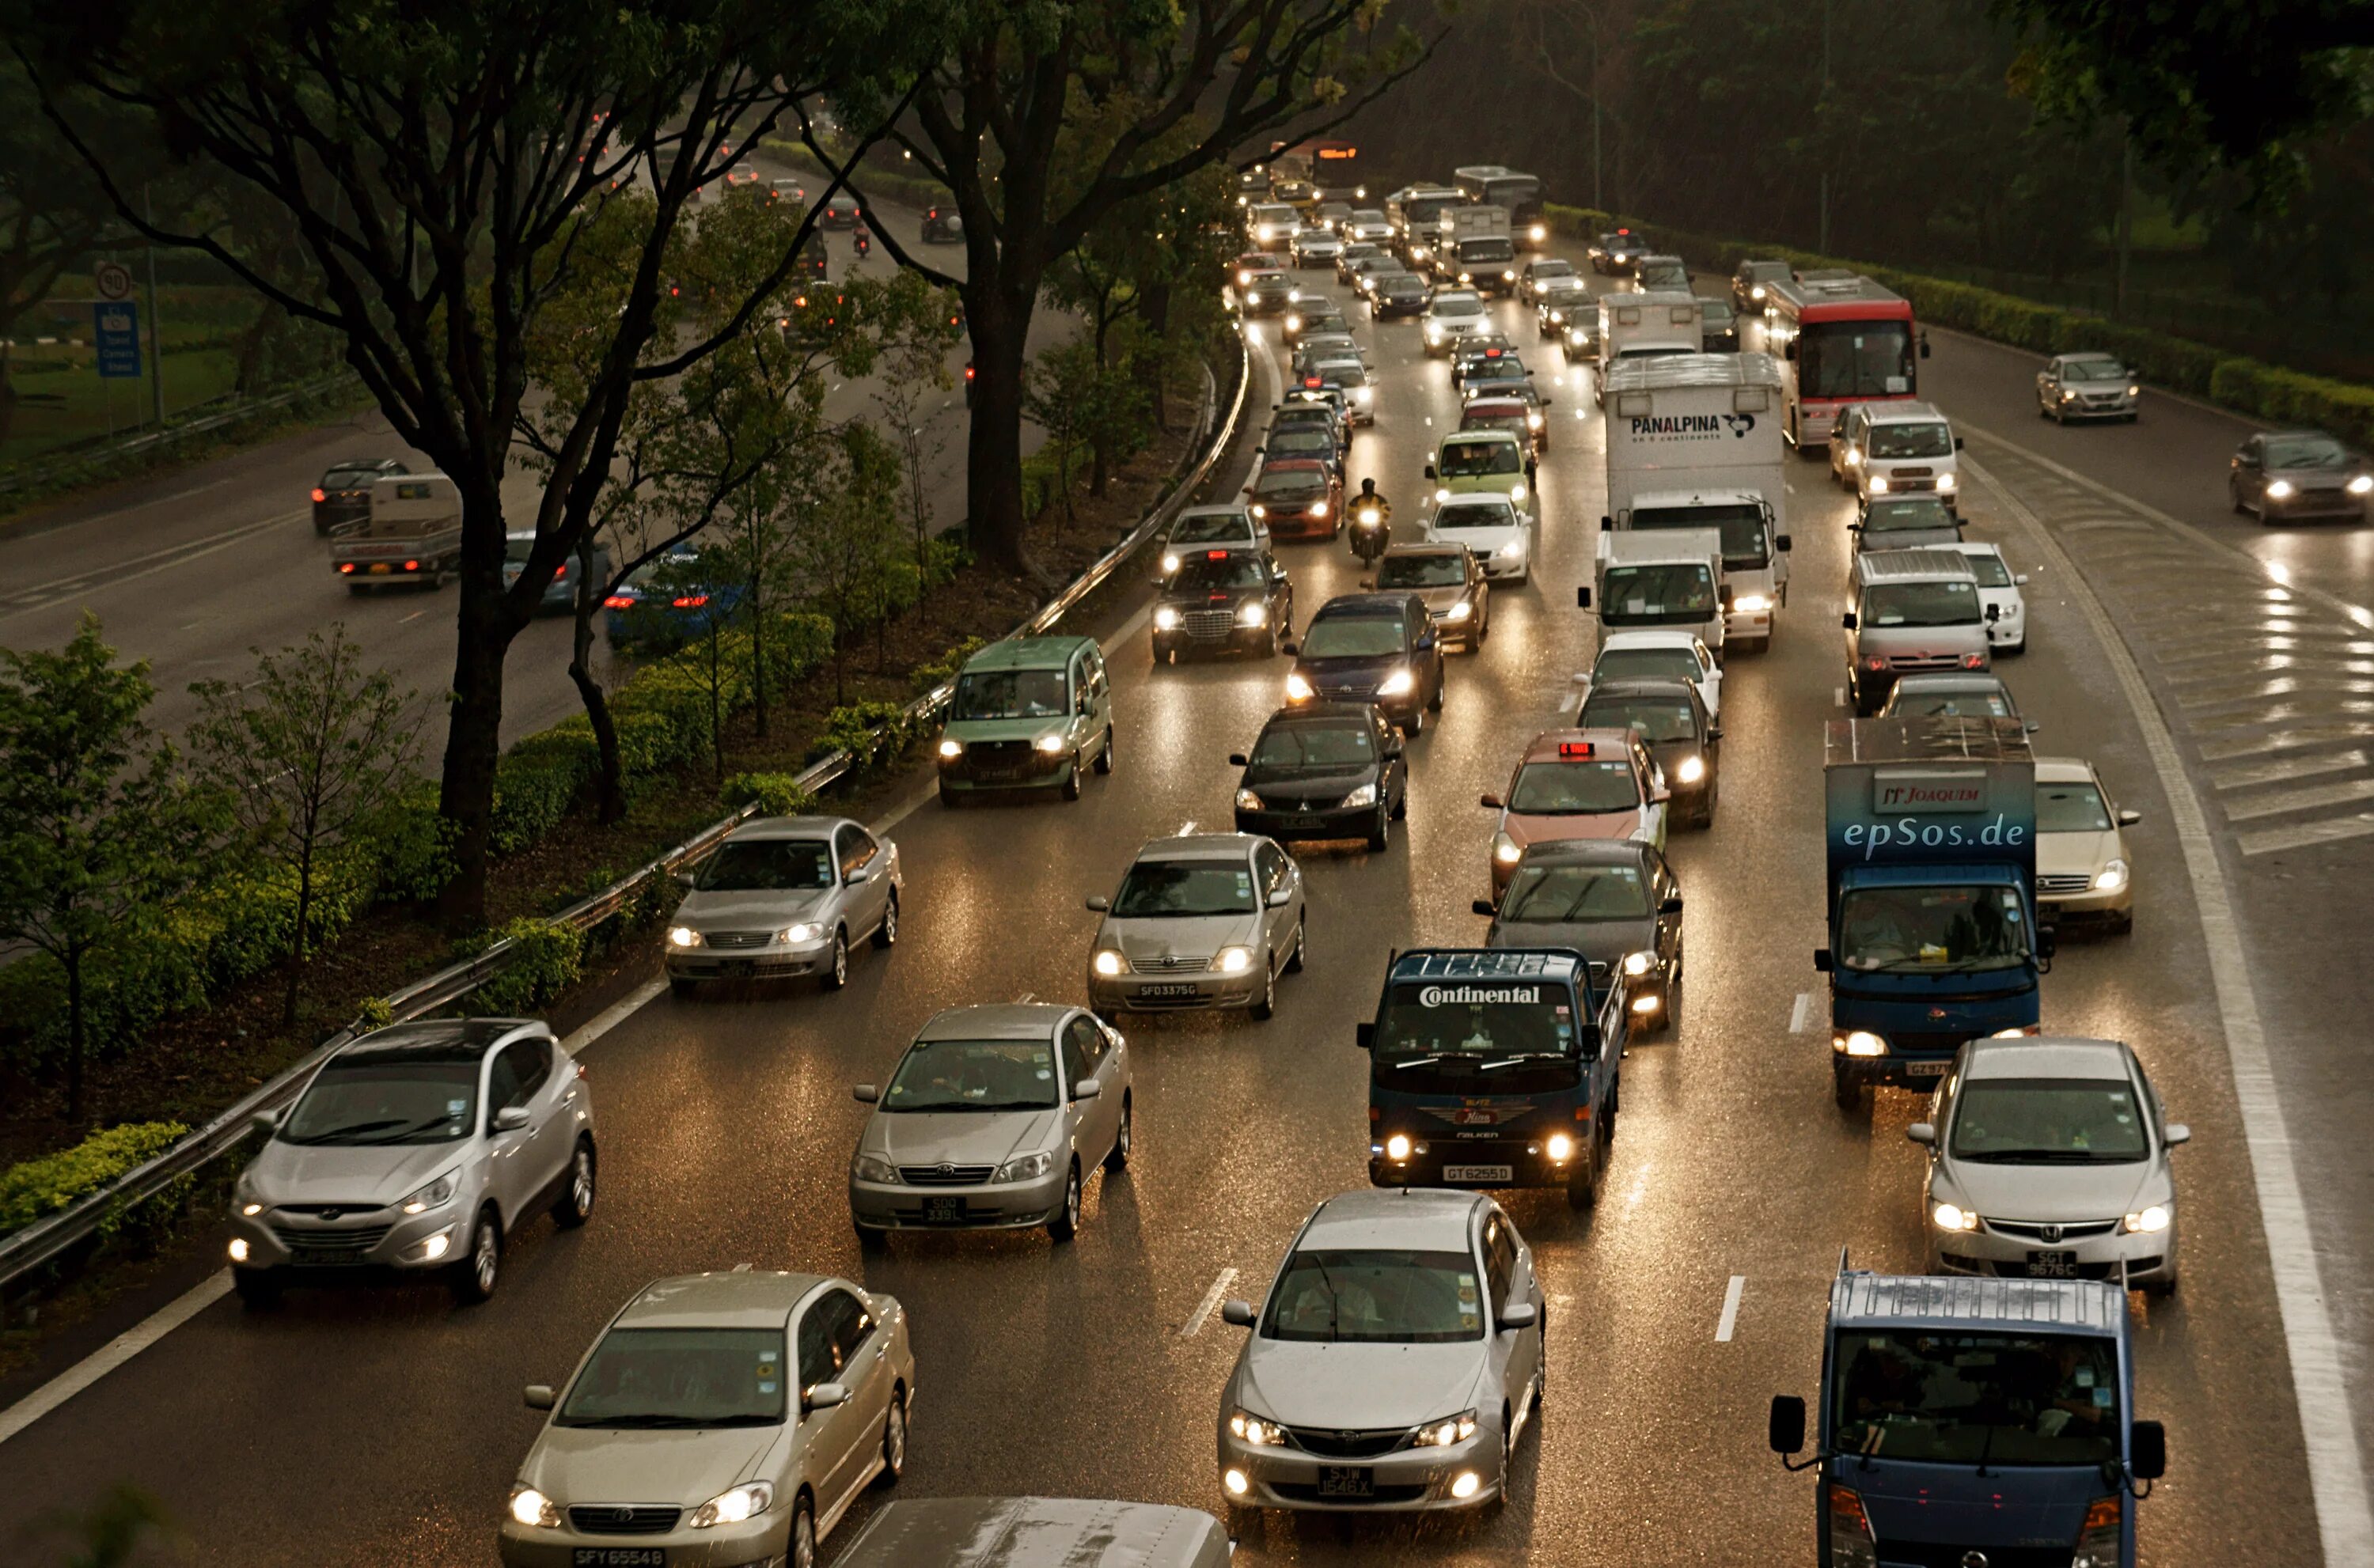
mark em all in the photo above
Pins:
pixel 1560 1148
pixel 1468 1484
pixel 1644 1004
pixel 1236 1482
pixel 1397 1147
pixel 239 1249
pixel 435 1247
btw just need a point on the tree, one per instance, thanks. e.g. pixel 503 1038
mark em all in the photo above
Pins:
pixel 310 746
pixel 991 121
pixel 914 364
pixel 443 160
pixel 98 824
pixel 847 544
pixel 50 216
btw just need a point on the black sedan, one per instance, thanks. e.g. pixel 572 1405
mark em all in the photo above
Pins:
pixel 941 226
pixel 1612 255
pixel 1719 328
pixel 1397 294
pixel 1323 770
pixel 343 497
pixel 1683 738
pixel 2291 475
pixel 1371 647
pixel 1222 598
pixel 1615 902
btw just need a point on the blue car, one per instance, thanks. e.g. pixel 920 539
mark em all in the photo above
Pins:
pixel 560 593
pixel 668 603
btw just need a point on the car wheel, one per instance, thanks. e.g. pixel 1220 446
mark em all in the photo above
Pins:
pixel 1244 1523
pixel 1065 1222
pixel 1434 703
pixel 894 1439
pixel 576 1204
pixel 835 974
pixel 2233 499
pixel 475 1276
pixel 1072 779
pixel 1582 1182
pixel 1117 1157
pixel 1265 1006
pixel 1105 757
pixel 258 1288
pixel 802 1551
pixel 870 1239
pixel 948 798
pixel 885 935
pixel 1672 1028
pixel 1846 1087
pixel 1380 832
pixel 1415 723
pixel 2123 923
pixel 1300 956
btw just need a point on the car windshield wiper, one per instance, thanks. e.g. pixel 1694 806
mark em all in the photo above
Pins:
pixel 337 1134
pixel 1520 1061
pixel 2049 1156
pixel 401 1133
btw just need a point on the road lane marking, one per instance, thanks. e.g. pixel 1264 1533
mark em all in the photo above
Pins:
pixel 112 1354
pixel 1730 1309
pixel 1194 1323
pixel 2268 841
pixel 2328 1427
pixel 43 594
pixel 610 1017
pixel 2282 771
pixel 1797 1014
pixel 2280 740
pixel 414 617
pixel 741 1267
pixel 2300 800
pixel 1838 696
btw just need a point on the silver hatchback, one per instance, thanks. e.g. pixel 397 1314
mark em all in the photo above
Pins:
pixel 415 1152
pixel 784 896
pixel 1206 921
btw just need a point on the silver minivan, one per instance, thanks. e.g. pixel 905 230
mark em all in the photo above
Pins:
pixel 1911 611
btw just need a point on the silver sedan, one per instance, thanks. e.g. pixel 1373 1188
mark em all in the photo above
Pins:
pixel 1206 920
pixel 784 896
pixel 1394 1366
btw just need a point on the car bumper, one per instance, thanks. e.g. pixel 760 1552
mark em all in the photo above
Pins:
pixel 762 1540
pixel 2315 503
pixel 2085 408
pixel 1418 1480
pixel 1496 566
pixel 956 780
pixel 988 1206
pixel 1183 992
pixel 1265 304
pixel 2010 631
pixel 326 1252
pixel 2149 1256
pixel 1329 822
pixel 1756 626
pixel 1246 637
pixel 745 963
pixel 2084 906
pixel 1516 1159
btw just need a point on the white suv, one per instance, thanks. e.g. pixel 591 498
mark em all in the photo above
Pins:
pixel 1451 315
pixel 2000 590
pixel 1895 448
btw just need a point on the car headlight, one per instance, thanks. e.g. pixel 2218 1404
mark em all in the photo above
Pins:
pixel 1296 688
pixel 1252 614
pixel 873 1168
pixel 1293 323
pixel 1639 963
pixel 793 935
pixel 1505 850
pixel 1537 232
pixel 530 1506
pixel 1026 1167
pixel 1108 962
pixel 1401 683
pixel 1862 1042
pixel 1757 292
pixel 435 1194
pixel 2361 484
pixel 1577 335
pixel 1460 611
pixel 683 936
pixel 2278 489
pixel 2134 392
pixel 2066 395
pixel 1512 551
pixel 1364 394
pixel 1233 960
pixel 951 748
pixel 1170 561
pixel 1879 484
pixel 1692 770
pixel 734 1504
pixel 1048 745
pixel 1945 480
pixel 1319 509
pixel 1166 619
pixel 1534 420
pixel 1366 795
pixel 1252 298
pixel 1507 276
pixel 2157 1217
pixel 1433 333
pixel 2112 877
pixel 1954 1217
pixel 1259 510
pixel 1443 493
pixel 1249 802
pixel 1752 603
pixel 1293 294
pixel 1258 1431
pixel 1851 457
pixel 1397 1147
pixel 1464 278
pixel 1517 492
pixel 1444 1433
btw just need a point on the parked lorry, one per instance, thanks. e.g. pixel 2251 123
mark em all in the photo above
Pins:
pixel 1661 579
pixel 414 534
pixel 1647 326
pixel 1694 441
pixel 1931 897
pixel 1969 1421
pixel 1472 249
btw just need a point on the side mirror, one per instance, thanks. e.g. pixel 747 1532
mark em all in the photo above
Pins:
pixel 1848 620
pixel 682 879
pixel 1368 582
pixel 1784 1429
pixel 1670 906
pixel 1281 898
pixel 2128 819
pixel 1158 582
pixel 265 1122
pixel 2047 941
pixel 2020 579
pixel 1922 1132
pixel 537 1396
pixel 1582 596
pixel 1958 443
pixel 1237 1314
pixel 1781 543
pixel 2176 1132
pixel 857 874
pixel 1364 1035
pixel 1393 746
pixel 823 1397
pixel 1426 643
pixel 1821 960
pixel 2031 725
pixel 1854 528
pixel 866 1094
pixel 1098 901
pixel 2147 1451
pixel 1994 613
pixel 1291 650
pixel 1490 802
pixel 510 1119
pixel 1714 733
pixel 1236 759
pixel 1519 1315
pixel 1087 1089
pixel 1429 471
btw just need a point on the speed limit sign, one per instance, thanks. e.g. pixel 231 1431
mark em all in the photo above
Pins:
pixel 112 279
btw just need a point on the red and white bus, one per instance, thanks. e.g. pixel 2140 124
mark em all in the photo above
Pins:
pixel 1840 339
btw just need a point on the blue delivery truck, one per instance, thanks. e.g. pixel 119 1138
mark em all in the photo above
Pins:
pixel 1932 870
pixel 1966 1421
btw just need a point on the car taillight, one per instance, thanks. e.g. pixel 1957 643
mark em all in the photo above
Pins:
pixel 692 602
pixel 346 567
pixel 412 565
pixel 619 601
pixel 321 495
pixel 1876 663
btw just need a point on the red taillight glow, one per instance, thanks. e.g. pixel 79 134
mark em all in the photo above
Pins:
pixel 619 601
pixel 969 372
pixel 1974 661
pixel 321 495
pixel 412 565
pixel 1847 1513
pixel 346 567
pixel 1875 663
pixel 692 602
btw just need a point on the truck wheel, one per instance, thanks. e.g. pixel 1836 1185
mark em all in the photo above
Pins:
pixel 1846 1087
pixel 1582 1182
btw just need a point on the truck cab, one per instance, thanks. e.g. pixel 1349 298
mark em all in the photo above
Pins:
pixel 1667 579
pixel 1973 1421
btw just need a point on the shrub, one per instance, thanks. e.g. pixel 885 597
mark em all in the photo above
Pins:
pixel 372 1012
pixel 41 1188
pixel 872 733
pixel 775 794
pixel 545 960
pixel 946 667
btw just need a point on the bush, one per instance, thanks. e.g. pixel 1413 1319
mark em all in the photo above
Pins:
pixel 946 668
pixel 545 960
pixel 38 1188
pixel 872 733
pixel 775 794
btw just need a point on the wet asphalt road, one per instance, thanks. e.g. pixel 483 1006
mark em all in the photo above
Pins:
pixel 385 1429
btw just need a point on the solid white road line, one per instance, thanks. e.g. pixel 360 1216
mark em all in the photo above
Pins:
pixel 1798 1014
pixel 1204 1308
pixel 1838 696
pixel 2328 1428
pixel 114 1353
pixel 43 596
pixel 741 1267
pixel 610 1017
pixel 1730 1309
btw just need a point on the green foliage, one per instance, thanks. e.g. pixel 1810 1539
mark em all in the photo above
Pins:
pixel 372 1012
pixel 544 959
pixel 112 1531
pixel 946 668
pixel 775 794
pixel 872 733
pixel 40 1188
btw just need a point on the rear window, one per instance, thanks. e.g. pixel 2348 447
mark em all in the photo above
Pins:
pixel 349 478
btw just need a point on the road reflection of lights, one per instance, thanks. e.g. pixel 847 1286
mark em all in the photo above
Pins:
pixel 2279 571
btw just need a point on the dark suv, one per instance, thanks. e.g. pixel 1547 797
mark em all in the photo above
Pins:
pixel 343 497
pixel 1375 648
pixel 1221 599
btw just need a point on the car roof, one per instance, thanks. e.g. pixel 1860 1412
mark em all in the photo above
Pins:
pixel 1387 601
pixel 1292 465
pixel 1027 653
pixel 1587 852
pixel 1497 403
pixel 437 1039
pixel 1199 846
pixel 1237 512
pixel 995 1020
pixel 1321 712
pixel 2044 1056
pixel 1911 565
pixel 2065 770
pixel 1648 636
pixel 1952 680
pixel 1031 1532
pixel 2090 355
pixel 1418 1219
pixel 1544 747
pixel 1902 412
pixel 1971 547
pixel 747 1299
pixel 1930 1300
pixel 789 827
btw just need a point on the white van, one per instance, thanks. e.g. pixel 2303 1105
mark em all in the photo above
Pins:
pixel 1895 448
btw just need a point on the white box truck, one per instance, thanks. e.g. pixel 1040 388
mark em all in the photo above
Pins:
pixel 1647 326
pixel 1472 249
pixel 1694 441
pixel 1663 579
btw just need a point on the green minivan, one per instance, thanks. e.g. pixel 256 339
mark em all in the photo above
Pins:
pixel 1028 713
pixel 1490 461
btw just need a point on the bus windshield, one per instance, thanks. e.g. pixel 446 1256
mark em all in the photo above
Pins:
pixel 1855 359
pixel 1967 1398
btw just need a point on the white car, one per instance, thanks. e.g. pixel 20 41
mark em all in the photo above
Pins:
pixel 1671 655
pixel 1493 530
pixel 2048 1159
pixel 2083 871
pixel 1212 528
pixel 1367 225
pixel 1895 448
pixel 1451 315
pixel 1316 248
pixel 1999 592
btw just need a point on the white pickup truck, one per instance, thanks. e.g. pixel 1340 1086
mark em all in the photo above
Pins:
pixel 414 534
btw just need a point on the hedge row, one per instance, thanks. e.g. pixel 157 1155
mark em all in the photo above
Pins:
pixel 38 1188
pixel 2246 385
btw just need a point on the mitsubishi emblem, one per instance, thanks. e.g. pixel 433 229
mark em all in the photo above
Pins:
pixel 1974 1559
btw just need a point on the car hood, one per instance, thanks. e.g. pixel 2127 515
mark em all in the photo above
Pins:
pixel 593 1464
pixel 973 731
pixel 1362 1387
pixel 2318 478
pixel 1615 824
pixel 2073 854
pixel 1907 538
pixel 1350 674
pixel 761 910
pixel 2053 1192
pixel 1208 598
pixel 1438 600
pixel 1182 936
pixel 956 1137
pixel 368 1176
pixel 1323 785
pixel 1602 942
pixel 1476 541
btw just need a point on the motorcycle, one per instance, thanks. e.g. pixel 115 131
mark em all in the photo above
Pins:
pixel 1370 533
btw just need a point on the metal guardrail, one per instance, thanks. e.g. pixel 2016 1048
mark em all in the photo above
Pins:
pixel 246 408
pixel 45 1240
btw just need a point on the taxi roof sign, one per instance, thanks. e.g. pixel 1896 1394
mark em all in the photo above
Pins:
pixel 1575 748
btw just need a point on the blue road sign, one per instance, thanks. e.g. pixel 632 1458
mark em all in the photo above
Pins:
pixel 115 330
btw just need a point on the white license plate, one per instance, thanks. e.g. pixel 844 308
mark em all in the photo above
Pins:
pixel 1926 1069
pixel 1478 1173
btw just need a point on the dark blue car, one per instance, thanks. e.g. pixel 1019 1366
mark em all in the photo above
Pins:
pixel 667 603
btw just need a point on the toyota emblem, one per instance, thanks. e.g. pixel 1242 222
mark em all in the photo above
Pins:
pixel 627 1516
pixel 2049 1233
pixel 947 1170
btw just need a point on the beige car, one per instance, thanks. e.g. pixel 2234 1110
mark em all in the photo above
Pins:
pixel 2081 869
pixel 720 1419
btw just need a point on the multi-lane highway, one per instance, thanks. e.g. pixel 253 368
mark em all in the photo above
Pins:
pixel 386 1428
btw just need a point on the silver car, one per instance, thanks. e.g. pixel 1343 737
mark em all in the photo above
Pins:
pixel 414 1153
pixel 784 896
pixel 994 1119
pixel 1212 528
pixel 1206 920
pixel 721 1419
pixel 2049 1159
pixel 1395 1365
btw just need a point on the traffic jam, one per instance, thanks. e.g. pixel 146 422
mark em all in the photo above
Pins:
pixel 1433 384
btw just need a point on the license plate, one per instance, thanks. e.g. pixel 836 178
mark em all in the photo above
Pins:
pixel 2052 1265
pixel 1479 1173
pixel 944 1210
pixel 315 1257
pixel 380 568
pixel 1302 822
pixel 1926 1069
pixel 619 1557
pixel 1166 991
pixel 1346 1480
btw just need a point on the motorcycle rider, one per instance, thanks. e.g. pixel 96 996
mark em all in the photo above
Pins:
pixel 1371 517
pixel 865 239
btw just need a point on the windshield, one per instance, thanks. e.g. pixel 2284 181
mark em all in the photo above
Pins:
pixel 1621 663
pixel 1569 893
pixel 1918 704
pixel 1854 359
pixel 1493 1022
pixel 2071 808
pixel 1175 889
pixel 368 1099
pixel 1719 312
pixel 768 865
pixel 1500 516
pixel 1684 590
pixel 1303 442
pixel 1421 572
pixel 680 1377
pixel 1365 216
pixel 1544 271
pixel 1353 637
pixel 1912 441
pixel 1425 209
pixel 1563 789
pixel 1929 513
pixel 1741 524
pixel 2092 371
pixel 1654 719
pixel 349 478
pixel 1471 460
pixel 1486 250
pixel 1235 568
pixel 1289 481
pixel 677 569
pixel 1973 1399
pixel 1663 274
pixel 1211 527
pixel 1472 420
pixel 1944 604
pixel 1990 572
pixel 2078 1121
pixel 1910 929
pixel 1012 694
pixel 2304 452
pixel 1512 192
pixel 1338 746
pixel 1400 1298
pixel 973 1075
pixel 1457 305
